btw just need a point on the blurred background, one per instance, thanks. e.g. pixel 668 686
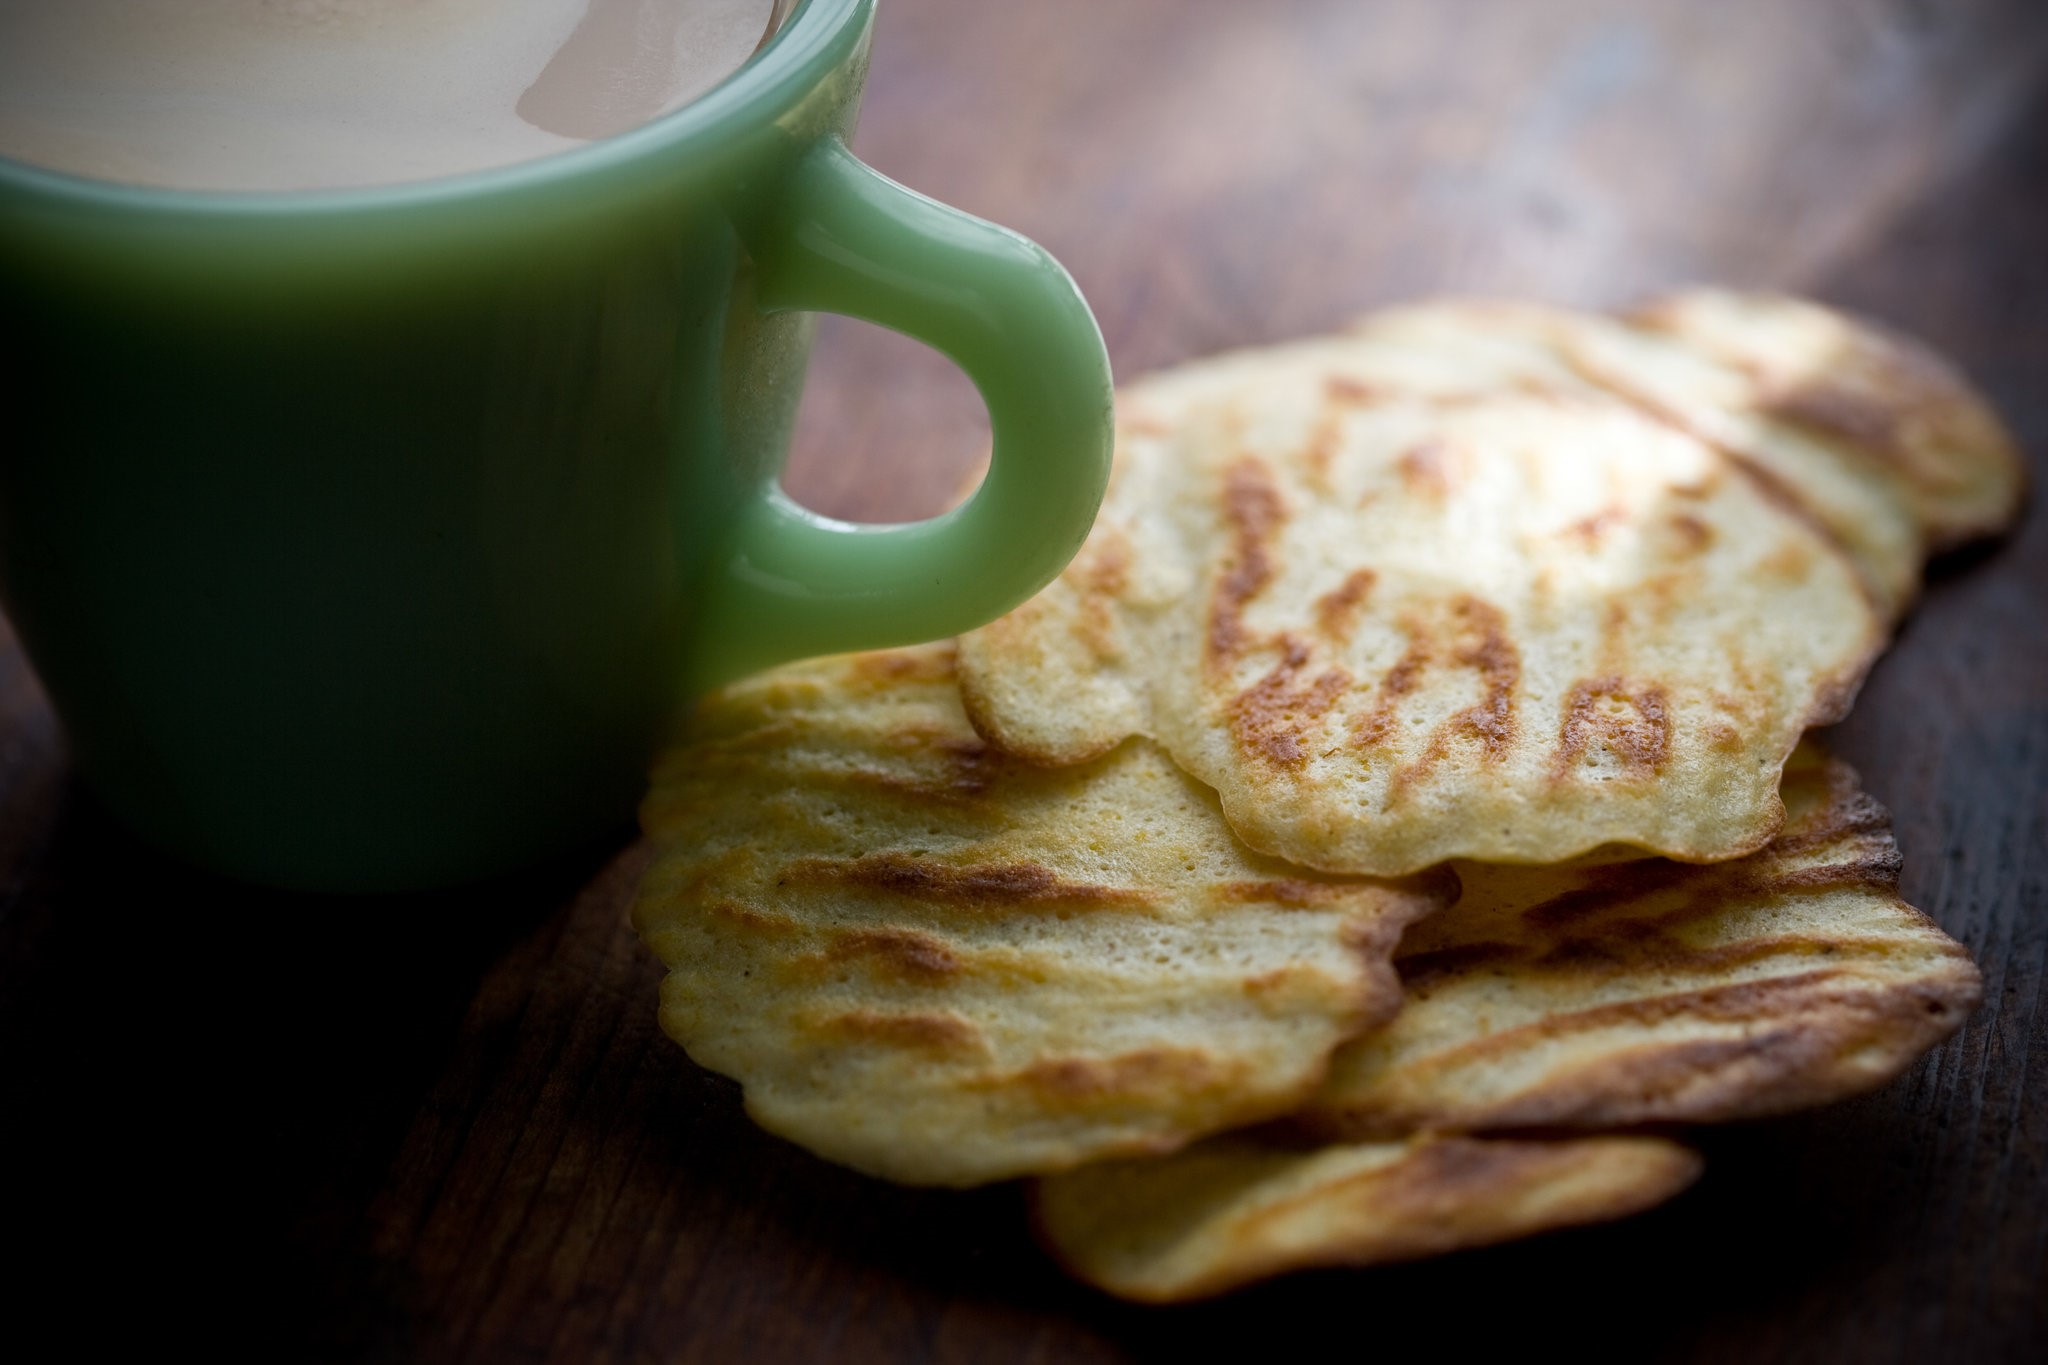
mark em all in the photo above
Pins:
pixel 1220 173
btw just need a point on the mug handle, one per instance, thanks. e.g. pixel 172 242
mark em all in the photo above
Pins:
pixel 842 238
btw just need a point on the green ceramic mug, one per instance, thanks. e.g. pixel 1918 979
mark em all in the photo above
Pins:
pixel 370 539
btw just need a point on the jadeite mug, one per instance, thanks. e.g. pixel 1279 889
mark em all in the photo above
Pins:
pixel 370 540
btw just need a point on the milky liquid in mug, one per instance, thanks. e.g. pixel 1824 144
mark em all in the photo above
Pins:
pixel 321 94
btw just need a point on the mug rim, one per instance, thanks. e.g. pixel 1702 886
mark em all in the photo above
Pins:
pixel 814 39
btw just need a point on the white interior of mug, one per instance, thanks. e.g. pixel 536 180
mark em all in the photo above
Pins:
pixel 262 96
pixel 803 42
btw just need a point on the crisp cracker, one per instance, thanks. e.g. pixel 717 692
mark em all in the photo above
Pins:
pixel 1656 992
pixel 940 965
pixel 1242 1208
pixel 1398 623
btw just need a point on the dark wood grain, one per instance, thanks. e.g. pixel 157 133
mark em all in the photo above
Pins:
pixel 446 1128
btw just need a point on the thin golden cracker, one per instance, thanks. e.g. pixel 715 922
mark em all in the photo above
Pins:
pixel 1869 515
pixel 1879 400
pixel 1656 992
pixel 944 966
pixel 1242 1208
pixel 1398 623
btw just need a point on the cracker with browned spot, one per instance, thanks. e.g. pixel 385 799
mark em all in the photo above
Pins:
pixel 1881 402
pixel 1242 1208
pixel 1876 440
pixel 1864 513
pixel 945 966
pixel 1649 991
pixel 1400 605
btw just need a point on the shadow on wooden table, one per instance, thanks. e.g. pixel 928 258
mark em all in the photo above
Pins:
pixel 204 1080
pixel 765 1253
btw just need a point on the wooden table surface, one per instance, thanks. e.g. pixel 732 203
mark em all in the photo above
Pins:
pixel 448 1129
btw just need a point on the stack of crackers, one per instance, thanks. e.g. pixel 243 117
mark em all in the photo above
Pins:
pixel 1394 827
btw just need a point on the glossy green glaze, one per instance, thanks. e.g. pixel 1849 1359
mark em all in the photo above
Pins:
pixel 370 540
